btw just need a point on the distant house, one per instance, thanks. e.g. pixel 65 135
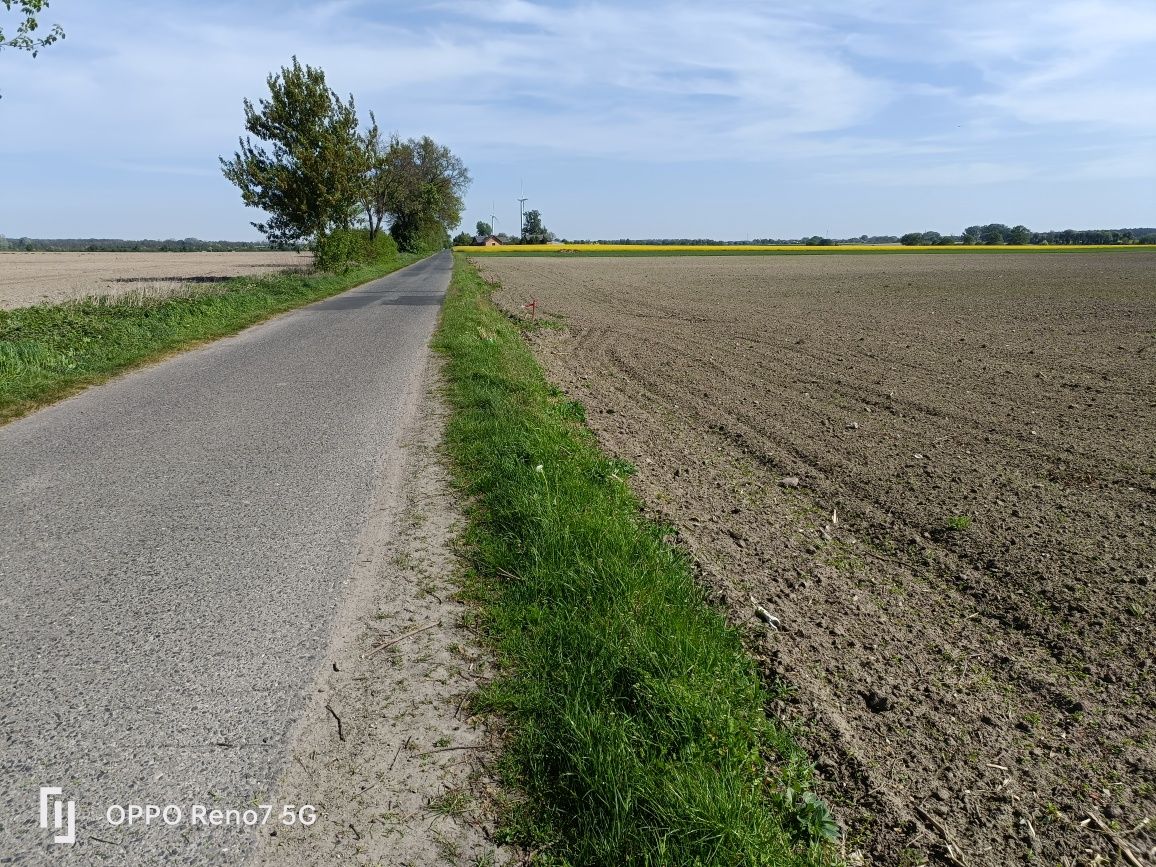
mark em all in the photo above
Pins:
pixel 488 241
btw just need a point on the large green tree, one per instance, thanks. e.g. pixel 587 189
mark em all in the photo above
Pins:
pixel 1019 235
pixel 309 176
pixel 533 232
pixel 426 182
pixel 25 37
pixel 380 186
pixel 994 233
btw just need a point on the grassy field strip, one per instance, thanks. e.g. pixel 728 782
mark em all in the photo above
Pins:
pixel 639 732
pixel 48 352
pixel 779 250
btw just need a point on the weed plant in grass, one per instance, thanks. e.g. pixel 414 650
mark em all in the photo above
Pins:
pixel 639 734
pixel 50 351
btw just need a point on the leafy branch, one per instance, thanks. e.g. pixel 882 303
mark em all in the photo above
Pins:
pixel 26 38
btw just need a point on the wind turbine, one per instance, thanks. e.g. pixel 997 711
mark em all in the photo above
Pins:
pixel 522 210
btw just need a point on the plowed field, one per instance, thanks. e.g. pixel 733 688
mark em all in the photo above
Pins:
pixel 939 472
pixel 51 278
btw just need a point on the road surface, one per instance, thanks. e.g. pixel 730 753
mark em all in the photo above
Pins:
pixel 173 551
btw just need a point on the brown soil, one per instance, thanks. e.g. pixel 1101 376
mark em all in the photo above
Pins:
pixel 51 278
pixel 965 569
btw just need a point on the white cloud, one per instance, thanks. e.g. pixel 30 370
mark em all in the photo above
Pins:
pixel 626 81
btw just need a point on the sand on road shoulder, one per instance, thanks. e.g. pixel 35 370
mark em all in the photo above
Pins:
pixel 388 751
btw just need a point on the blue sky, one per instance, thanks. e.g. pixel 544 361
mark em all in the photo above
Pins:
pixel 645 119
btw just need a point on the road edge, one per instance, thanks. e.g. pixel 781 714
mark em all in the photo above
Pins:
pixel 386 747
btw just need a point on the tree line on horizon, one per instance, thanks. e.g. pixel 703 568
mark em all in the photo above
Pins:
pixel 325 182
pixel 993 233
pixel 1143 235
pixel 999 234
pixel 121 245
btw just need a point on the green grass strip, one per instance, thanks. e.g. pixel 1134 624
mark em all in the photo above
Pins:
pixel 638 725
pixel 48 352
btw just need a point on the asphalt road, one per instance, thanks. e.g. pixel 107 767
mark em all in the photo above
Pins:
pixel 173 548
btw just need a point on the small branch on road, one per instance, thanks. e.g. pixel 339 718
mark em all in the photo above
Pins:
pixel 396 754
pixel 340 731
pixel 402 637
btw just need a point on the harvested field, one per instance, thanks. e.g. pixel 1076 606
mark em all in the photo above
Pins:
pixel 52 278
pixel 939 472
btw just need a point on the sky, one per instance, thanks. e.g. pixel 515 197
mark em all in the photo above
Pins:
pixel 648 119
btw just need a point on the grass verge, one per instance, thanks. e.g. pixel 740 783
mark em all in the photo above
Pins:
pixel 48 352
pixel 638 725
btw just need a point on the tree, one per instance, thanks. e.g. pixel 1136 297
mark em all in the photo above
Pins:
pixel 463 239
pixel 377 184
pixel 533 232
pixel 484 229
pixel 1019 235
pixel 428 182
pixel 994 233
pixel 25 38
pixel 971 234
pixel 911 239
pixel 311 177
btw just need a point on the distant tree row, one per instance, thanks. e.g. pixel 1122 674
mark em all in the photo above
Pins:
pixel 118 245
pixel 993 233
pixel 998 233
pixel 319 177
